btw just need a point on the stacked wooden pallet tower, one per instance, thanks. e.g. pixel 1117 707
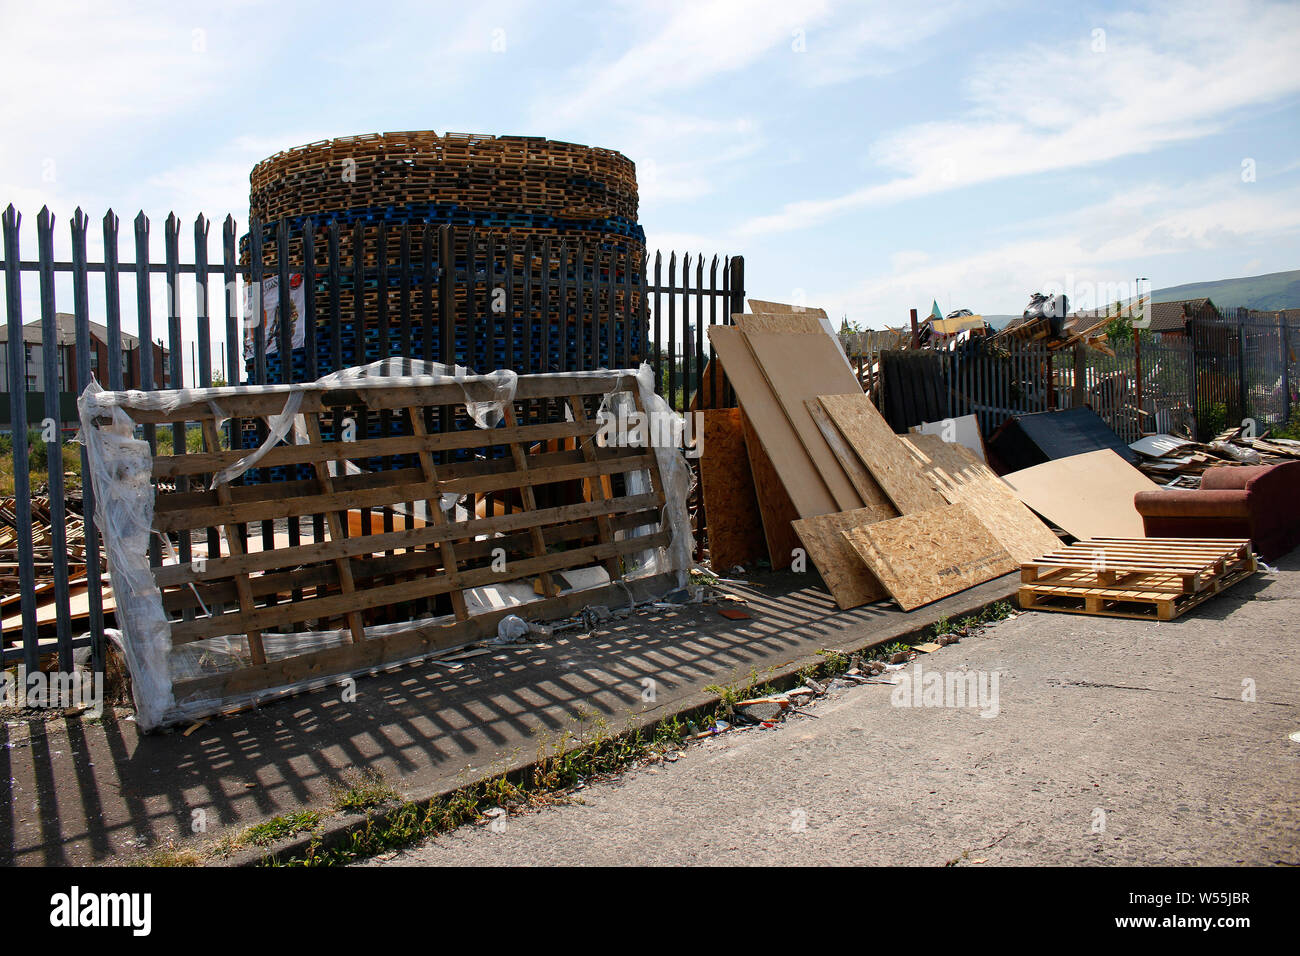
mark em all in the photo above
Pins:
pixel 807 466
pixel 511 199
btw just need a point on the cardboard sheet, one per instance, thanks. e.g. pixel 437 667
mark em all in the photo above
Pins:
pixel 1088 495
pixel 883 453
pixel 846 575
pixel 798 476
pixel 730 501
pixel 929 555
pixel 799 367
pixel 960 478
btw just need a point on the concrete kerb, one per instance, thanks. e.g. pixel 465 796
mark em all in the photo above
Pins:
pixel 335 831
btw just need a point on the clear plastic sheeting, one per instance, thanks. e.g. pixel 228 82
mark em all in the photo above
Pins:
pixel 121 471
pixel 662 430
pixel 121 467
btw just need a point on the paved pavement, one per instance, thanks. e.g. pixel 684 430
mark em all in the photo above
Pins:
pixel 81 791
pixel 1115 741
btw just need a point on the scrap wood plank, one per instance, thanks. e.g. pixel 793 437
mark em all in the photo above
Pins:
pixel 759 306
pixel 800 480
pixel 1089 495
pixel 1137 601
pixel 844 572
pixel 786 322
pixel 775 507
pixel 883 452
pixel 959 477
pixel 928 555
pixel 731 509
pixel 798 367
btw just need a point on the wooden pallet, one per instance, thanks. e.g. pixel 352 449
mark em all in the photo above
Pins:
pixel 1152 578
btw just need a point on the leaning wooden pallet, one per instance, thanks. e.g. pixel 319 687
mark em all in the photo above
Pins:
pixel 222 630
pixel 1160 578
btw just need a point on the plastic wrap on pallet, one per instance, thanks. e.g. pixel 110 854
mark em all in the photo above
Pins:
pixel 663 432
pixel 121 468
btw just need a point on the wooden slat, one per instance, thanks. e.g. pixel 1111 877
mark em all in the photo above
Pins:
pixel 577 406
pixel 342 563
pixel 235 544
pixel 433 506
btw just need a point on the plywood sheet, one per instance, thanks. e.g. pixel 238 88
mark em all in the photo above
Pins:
pixel 961 478
pixel 788 322
pixel 800 479
pixel 779 308
pixel 846 575
pixel 797 368
pixel 868 489
pixel 775 508
pixel 885 456
pixel 730 502
pixel 929 555
pixel 1089 495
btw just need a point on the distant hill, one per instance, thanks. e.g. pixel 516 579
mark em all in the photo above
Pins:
pixel 1276 290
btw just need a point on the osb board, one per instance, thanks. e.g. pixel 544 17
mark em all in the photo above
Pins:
pixel 868 489
pixel 779 308
pixel 929 555
pixel 714 392
pixel 799 367
pixel 846 575
pixel 730 502
pixel 798 476
pixel 885 456
pixel 959 477
pixel 789 322
pixel 775 508
pixel 1088 495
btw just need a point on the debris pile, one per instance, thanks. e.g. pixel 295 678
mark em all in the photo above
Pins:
pixel 42 544
pixel 1180 462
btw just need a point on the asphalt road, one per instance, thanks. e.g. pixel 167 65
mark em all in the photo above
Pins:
pixel 1114 741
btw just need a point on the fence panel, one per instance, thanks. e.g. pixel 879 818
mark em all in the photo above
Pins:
pixel 482 301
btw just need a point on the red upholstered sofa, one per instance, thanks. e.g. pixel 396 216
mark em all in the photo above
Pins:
pixel 1260 502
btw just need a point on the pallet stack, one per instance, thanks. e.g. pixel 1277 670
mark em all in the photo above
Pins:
pixel 390 191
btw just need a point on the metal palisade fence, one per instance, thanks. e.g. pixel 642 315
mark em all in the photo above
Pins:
pixel 350 296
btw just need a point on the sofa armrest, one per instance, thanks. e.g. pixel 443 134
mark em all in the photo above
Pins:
pixel 1185 503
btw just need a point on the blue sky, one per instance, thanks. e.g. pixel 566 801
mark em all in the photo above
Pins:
pixel 864 157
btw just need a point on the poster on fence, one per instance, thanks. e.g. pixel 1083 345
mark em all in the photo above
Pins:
pixel 269 313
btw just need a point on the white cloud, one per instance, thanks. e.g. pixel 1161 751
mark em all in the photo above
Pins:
pixel 1093 248
pixel 1047 109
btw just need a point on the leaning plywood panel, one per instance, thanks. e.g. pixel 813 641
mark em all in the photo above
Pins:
pixel 868 489
pixel 799 367
pixel 730 504
pixel 961 478
pixel 799 477
pixel 882 452
pixel 783 308
pixel 1088 495
pixel 964 431
pixel 929 555
pixel 846 575
pixel 787 322
pixel 774 505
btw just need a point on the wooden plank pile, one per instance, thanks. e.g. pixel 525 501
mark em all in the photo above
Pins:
pixel 42 544
pixel 563 510
pixel 1148 578
pixel 880 515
